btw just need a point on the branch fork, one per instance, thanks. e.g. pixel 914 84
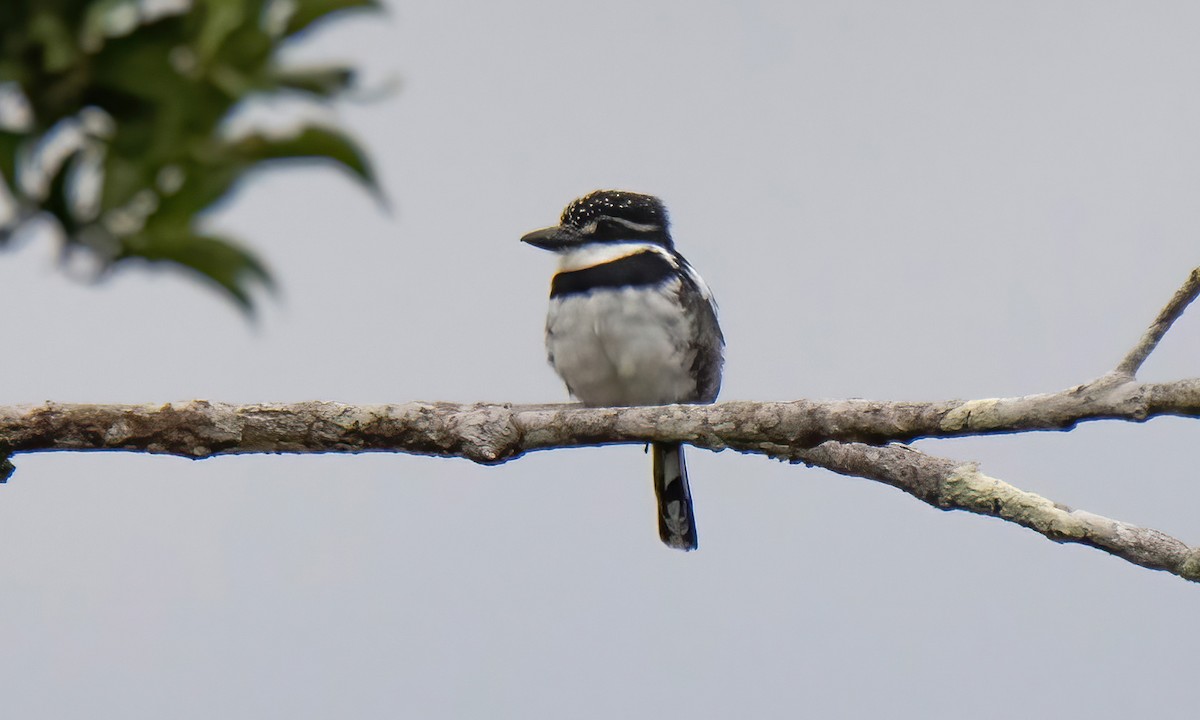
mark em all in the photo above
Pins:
pixel 861 438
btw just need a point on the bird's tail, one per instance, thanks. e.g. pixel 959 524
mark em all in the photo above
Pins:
pixel 676 524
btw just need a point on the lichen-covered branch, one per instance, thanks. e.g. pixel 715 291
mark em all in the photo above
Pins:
pixel 495 432
pixel 491 433
pixel 950 485
pixel 852 437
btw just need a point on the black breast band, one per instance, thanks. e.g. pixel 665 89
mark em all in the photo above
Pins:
pixel 638 270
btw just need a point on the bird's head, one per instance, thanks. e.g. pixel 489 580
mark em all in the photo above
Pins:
pixel 606 216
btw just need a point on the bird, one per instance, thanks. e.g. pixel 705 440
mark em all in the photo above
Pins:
pixel 631 322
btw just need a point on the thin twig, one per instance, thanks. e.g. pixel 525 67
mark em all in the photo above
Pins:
pixel 1167 317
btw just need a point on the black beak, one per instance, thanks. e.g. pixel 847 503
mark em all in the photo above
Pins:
pixel 559 237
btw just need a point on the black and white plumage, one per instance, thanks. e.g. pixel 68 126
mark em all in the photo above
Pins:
pixel 631 323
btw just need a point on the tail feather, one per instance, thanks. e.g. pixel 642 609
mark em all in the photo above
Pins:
pixel 676 522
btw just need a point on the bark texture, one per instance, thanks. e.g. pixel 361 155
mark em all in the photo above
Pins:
pixel 861 438
pixel 496 432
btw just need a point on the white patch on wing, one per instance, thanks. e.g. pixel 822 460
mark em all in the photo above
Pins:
pixel 587 256
pixel 705 292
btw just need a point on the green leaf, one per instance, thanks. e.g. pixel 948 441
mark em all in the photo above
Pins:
pixel 50 30
pixel 163 85
pixel 108 18
pixel 9 143
pixel 233 269
pixel 322 81
pixel 58 201
pixel 309 11
pixel 221 19
pixel 202 186
pixel 311 142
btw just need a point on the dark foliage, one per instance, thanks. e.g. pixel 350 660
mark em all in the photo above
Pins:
pixel 114 122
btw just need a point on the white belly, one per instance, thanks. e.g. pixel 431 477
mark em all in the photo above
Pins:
pixel 622 347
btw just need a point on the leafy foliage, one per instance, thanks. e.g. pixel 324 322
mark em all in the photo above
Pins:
pixel 113 122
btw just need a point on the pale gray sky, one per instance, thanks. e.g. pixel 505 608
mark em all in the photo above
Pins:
pixel 914 200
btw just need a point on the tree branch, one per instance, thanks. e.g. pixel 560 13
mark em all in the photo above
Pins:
pixel 496 432
pixel 1166 318
pixel 851 437
pixel 951 485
